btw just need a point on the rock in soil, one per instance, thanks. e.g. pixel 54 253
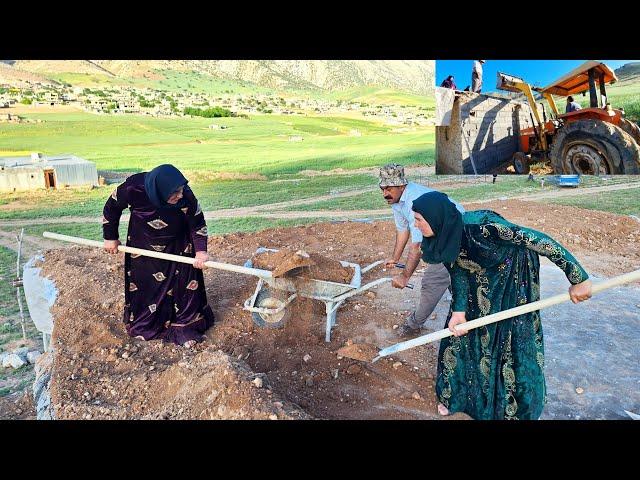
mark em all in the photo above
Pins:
pixel 33 356
pixel 14 361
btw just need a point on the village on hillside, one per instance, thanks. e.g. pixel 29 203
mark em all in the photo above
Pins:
pixel 118 100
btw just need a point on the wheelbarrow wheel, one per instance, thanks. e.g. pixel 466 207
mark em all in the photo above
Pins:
pixel 266 299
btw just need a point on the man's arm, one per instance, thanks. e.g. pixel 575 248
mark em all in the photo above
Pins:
pixel 402 237
pixel 413 259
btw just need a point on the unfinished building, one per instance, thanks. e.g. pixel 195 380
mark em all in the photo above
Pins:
pixel 476 133
pixel 38 171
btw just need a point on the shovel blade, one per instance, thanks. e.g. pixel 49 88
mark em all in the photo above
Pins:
pixel 293 263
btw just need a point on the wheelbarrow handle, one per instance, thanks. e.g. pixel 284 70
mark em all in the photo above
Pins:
pixel 356 291
pixel 379 262
pixel 370 266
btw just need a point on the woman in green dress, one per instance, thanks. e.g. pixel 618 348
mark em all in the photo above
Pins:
pixel 495 371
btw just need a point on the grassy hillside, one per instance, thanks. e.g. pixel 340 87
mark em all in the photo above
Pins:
pixel 384 96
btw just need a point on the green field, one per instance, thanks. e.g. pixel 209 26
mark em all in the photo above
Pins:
pixel 213 195
pixel 622 202
pixel 627 96
pixel 257 145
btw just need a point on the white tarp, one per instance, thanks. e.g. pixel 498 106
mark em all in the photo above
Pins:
pixel 41 294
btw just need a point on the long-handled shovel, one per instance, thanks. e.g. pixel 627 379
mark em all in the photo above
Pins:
pixel 364 351
pixel 164 256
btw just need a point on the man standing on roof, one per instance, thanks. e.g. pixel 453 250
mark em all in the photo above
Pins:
pixel 572 106
pixel 476 76
pixel 400 194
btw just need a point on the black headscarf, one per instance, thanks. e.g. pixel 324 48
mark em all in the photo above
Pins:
pixel 161 182
pixel 445 221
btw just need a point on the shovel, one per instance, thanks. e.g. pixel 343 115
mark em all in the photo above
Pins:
pixel 292 264
pixel 365 353
pixel 163 256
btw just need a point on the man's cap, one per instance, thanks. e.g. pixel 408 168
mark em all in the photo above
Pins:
pixel 392 175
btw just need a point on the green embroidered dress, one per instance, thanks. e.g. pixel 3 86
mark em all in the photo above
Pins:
pixel 496 371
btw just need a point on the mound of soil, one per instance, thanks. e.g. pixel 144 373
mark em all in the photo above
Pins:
pixel 100 372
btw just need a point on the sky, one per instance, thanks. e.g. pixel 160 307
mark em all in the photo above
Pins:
pixel 538 73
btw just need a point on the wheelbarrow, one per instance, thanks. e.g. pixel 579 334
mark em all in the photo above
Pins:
pixel 270 311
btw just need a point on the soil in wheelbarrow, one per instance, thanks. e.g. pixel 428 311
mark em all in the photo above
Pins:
pixel 100 372
pixel 313 266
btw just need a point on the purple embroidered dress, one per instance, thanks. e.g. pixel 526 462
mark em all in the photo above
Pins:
pixel 163 300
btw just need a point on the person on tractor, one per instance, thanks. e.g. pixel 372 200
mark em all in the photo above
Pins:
pixel 572 106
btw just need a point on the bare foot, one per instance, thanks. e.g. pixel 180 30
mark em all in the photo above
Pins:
pixel 442 410
pixel 189 344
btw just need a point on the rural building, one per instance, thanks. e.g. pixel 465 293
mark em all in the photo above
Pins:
pixel 483 127
pixel 38 171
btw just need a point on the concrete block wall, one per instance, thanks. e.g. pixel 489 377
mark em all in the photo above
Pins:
pixel 491 127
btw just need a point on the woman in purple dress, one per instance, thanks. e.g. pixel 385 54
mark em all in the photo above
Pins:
pixel 163 300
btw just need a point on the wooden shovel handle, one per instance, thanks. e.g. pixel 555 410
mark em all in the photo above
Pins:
pixel 163 256
pixel 512 312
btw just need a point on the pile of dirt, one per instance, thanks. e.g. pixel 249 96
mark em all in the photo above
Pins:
pixel 102 373
pixel 300 264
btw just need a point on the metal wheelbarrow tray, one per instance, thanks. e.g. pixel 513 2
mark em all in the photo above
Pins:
pixel 270 311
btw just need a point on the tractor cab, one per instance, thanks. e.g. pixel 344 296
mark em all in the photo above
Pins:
pixel 591 77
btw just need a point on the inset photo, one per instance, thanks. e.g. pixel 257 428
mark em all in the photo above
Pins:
pixel 538 117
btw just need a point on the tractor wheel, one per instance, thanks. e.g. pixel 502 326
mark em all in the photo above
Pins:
pixel 520 163
pixel 631 128
pixel 593 147
pixel 265 299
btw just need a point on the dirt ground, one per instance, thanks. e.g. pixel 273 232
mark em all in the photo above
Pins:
pixel 18 407
pixel 99 372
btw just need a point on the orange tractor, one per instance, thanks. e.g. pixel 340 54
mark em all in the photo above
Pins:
pixel 597 140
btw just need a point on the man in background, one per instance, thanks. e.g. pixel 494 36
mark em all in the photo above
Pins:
pixel 476 76
pixel 572 106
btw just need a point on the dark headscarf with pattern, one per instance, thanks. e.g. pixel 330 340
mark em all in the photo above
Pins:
pixel 161 182
pixel 446 222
